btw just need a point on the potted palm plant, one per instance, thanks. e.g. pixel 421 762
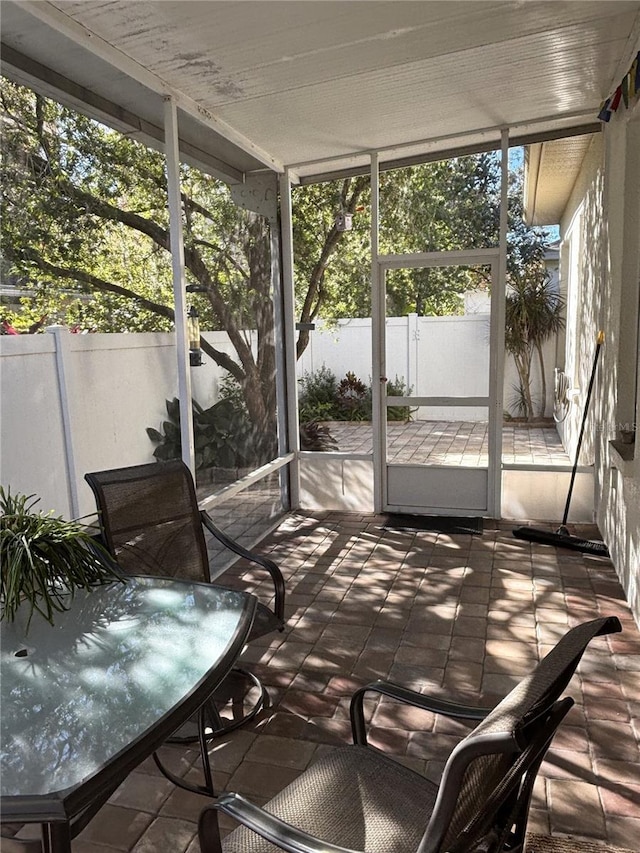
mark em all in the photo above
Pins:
pixel 45 559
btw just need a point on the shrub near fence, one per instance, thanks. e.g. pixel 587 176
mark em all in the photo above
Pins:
pixel 323 398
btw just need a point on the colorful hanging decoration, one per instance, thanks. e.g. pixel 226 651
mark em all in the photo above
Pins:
pixel 626 93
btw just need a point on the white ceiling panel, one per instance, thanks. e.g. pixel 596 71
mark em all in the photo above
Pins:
pixel 316 85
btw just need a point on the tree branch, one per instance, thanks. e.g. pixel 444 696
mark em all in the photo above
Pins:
pixel 193 206
pixel 224 254
pixel 193 262
pixel 115 214
pixel 315 297
pixel 91 282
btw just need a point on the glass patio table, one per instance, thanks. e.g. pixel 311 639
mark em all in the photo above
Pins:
pixel 86 700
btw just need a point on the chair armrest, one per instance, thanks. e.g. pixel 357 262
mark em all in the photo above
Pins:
pixel 408 697
pixel 263 562
pixel 276 831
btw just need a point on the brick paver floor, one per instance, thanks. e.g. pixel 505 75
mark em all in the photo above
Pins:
pixel 460 615
pixel 454 442
pixel 248 516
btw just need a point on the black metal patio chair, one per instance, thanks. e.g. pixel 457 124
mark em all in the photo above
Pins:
pixel 151 524
pixel 358 799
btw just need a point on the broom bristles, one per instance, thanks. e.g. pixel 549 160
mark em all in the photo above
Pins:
pixel 562 540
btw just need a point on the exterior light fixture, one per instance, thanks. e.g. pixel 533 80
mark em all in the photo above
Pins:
pixel 193 334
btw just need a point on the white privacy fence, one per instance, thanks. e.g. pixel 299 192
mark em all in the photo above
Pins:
pixel 77 403
pixel 434 356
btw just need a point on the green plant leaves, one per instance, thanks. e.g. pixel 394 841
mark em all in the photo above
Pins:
pixel 173 410
pixel 316 437
pixel 323 398
pixel 223 436
pixel 45 559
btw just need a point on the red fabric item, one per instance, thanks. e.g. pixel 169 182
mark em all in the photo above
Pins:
pixel 8 328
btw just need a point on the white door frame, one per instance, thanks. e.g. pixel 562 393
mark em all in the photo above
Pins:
pixel 489 487
pixel 496 359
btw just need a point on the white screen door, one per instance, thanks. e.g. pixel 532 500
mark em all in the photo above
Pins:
pixel 438 415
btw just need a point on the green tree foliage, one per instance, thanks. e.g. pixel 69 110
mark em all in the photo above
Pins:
pixel 85 225
pixel 442 206
pixel 84 212
pixel 332 267
pixel 453 204
pixel 534 309
pixel 435 207
pixel 534 312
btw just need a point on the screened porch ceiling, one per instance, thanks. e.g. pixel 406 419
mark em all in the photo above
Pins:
pixel 317 86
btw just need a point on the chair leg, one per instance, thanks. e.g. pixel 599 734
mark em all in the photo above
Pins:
pixel 209 726
pixel 209 831
pixel 240 718
pixel 219 726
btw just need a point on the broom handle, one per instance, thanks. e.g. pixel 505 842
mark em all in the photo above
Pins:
pixel 599 343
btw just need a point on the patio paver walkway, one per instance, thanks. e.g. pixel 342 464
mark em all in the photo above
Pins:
pixel 467 615
pixel 454 442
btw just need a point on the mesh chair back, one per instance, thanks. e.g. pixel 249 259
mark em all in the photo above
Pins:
pixel 150 519
pixel 492 752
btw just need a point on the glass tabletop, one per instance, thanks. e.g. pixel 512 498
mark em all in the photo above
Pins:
pixel 76 694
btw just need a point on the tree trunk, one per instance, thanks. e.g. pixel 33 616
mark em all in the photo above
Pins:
pixel 314 298
pixel 543 380
pixel 260 387
pixel 523 366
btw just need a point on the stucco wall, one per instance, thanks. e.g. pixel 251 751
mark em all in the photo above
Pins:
pixel 619 509
pixel 582 230
pixel 601 260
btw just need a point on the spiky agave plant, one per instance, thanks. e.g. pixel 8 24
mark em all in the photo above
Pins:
pixel 44 559
pixel 316 436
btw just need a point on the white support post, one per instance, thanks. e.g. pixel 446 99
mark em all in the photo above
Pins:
pixel 278 335
pixel 65 395
pixel 498 297
pixel 377 337
pixel 286 225
pixel 413 363
pixel 179 294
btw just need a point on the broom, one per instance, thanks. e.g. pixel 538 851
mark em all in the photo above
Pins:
pixel 561 538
